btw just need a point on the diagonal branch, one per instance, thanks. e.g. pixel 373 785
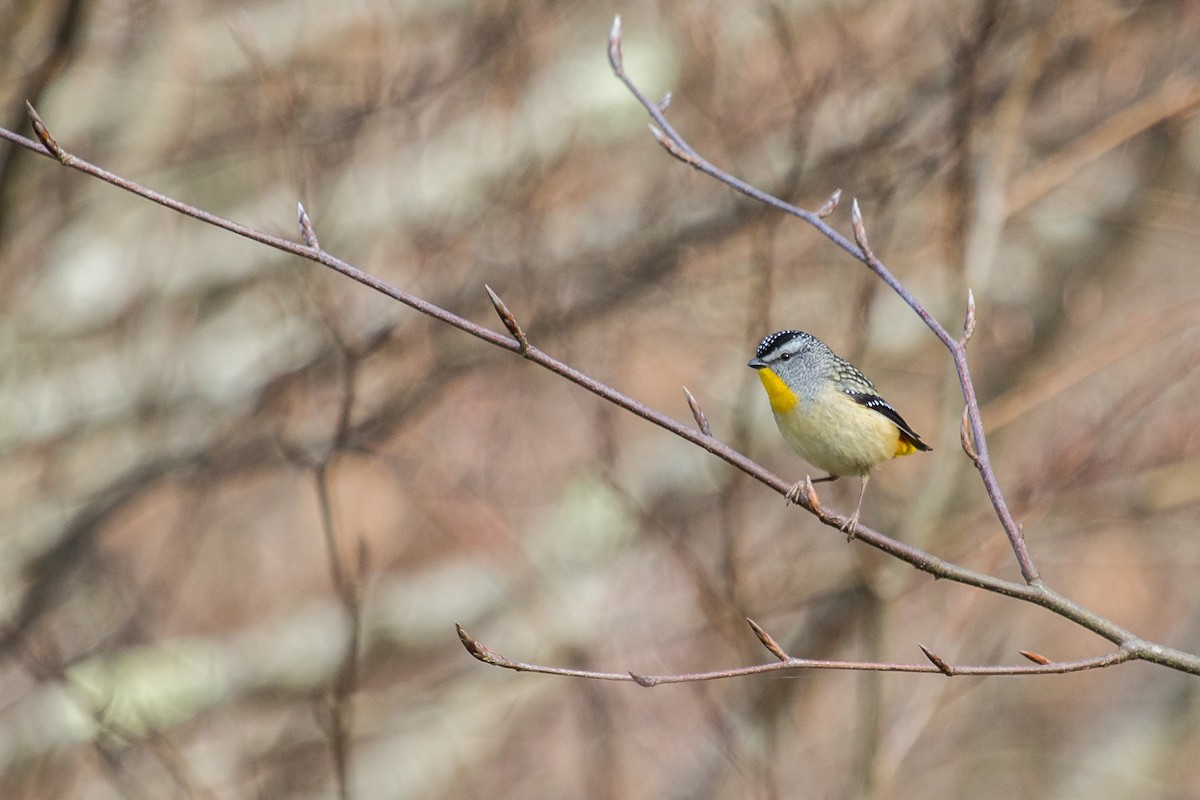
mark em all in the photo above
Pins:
pixel 675 144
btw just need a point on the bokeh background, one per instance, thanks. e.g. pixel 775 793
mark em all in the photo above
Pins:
pixel 175 401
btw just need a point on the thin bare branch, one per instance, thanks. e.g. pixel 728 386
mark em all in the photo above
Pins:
pixel 789 663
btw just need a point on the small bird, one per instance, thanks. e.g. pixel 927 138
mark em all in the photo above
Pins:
pixel 829 412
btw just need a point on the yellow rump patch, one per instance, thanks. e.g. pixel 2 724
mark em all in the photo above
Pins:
pixel 782 398
pixel 904 447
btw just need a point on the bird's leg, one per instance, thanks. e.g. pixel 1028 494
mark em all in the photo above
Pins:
pixel 796 493
pixel 852 523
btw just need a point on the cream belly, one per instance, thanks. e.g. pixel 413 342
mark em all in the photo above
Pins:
pixel 840 437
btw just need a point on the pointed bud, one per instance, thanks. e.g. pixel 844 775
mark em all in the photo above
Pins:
pixel 671 147
pixel 829 205
pixel 475 648
pixel 965 437
pixel 969 322
pixel 508 319
pixel 307 232
pixel 860 229
pixel 43 133
pixel 767 641
pixel 1036 658
pixel 937 660
pixel 614 46
pixel 810 496
pixel 697 413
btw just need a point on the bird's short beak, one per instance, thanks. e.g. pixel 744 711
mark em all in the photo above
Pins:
pixel 757 363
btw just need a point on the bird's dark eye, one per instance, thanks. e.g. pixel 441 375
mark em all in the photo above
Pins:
pixel 785 356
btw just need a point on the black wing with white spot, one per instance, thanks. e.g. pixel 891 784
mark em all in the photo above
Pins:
pixel 876 403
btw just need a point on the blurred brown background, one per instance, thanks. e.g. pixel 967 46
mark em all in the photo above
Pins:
pixel 171 625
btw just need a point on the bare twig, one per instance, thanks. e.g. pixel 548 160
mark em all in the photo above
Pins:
pixel 788 663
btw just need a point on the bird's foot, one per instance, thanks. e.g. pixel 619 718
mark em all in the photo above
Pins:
pixel 798 492
pixel 849 526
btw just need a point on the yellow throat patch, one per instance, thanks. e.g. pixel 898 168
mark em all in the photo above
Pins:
pixel 782 398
